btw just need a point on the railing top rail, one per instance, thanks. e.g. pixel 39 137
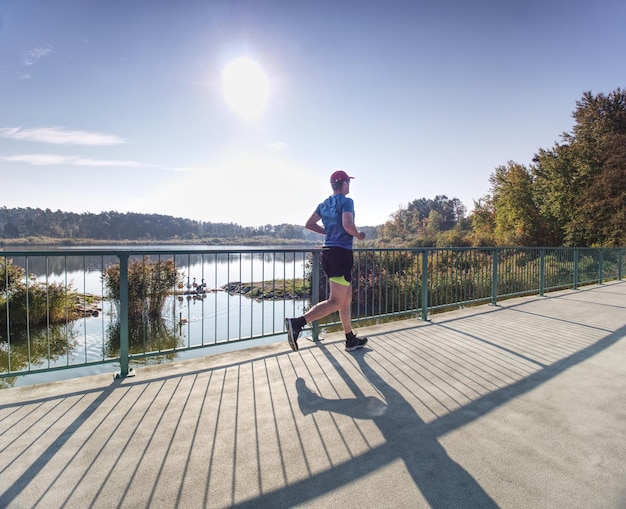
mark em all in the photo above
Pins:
pixel 489 248
pixel 178 250
pixel 96 251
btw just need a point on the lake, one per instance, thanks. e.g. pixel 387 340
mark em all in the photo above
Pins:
pixel 189 320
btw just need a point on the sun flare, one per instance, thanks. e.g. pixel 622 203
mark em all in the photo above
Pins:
pixel 246 87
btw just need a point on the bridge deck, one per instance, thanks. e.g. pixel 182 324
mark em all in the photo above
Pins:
pixel 519 405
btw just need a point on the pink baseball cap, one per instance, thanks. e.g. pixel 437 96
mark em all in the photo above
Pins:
pixel 339 176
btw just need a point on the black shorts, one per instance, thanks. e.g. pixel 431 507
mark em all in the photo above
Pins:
pixel 337 262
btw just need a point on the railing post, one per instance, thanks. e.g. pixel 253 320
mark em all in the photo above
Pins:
pixel 575 269
pixel 315 291
pixel 600 265
pixel 542 271
pixel 424 285
pixel 494 278
pixel 124 347
pixel 619 264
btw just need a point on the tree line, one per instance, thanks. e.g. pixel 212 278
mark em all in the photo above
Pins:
pixel 573 194
pixel 24 223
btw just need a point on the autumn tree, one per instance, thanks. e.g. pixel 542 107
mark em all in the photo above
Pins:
pixel 572 194
pixel 580 182
pixel 601 218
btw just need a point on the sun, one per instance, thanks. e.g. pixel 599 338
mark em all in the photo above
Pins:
pixel 246 87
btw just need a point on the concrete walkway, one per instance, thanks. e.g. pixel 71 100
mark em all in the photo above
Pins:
pixel 522 405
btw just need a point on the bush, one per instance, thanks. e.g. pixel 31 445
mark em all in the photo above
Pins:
pixel 149 284
pixel 26 301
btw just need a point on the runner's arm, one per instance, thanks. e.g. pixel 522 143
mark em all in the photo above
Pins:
pixel 313 224
pixel 347 221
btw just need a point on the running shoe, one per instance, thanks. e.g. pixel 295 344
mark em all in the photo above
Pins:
pixel 293 331
pixel 355 343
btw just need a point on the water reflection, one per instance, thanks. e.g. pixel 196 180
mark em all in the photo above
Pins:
pixel 216 269
pixel 153 335
pixel 36 348
pixel 59 265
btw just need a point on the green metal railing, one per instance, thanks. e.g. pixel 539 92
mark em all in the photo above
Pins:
pixel 239 295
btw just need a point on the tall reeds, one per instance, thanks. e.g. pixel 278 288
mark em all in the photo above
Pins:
pixel 24 300
pixel 150 282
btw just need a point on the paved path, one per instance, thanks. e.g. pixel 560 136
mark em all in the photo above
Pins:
pixel 522 405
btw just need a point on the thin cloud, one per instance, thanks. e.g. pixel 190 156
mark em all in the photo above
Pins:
pixel 59 136
pixel 37 159
pixel 57 159
pixel 82 161
pixel 32 56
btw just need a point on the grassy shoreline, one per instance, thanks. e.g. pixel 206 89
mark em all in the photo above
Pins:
pixel 256 241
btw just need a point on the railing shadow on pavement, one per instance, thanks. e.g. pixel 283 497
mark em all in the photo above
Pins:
pixel 441 480
pixel 407 436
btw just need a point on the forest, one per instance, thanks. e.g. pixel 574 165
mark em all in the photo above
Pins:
pixel 572 194
pixel 33 225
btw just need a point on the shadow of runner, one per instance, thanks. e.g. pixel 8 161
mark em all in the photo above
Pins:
pixel 442 481
pixel 357 408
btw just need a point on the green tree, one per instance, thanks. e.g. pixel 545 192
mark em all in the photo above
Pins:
pixel 483 222
pixel 579 182
pixel 433 223
pixel 414 222
pixel 517 218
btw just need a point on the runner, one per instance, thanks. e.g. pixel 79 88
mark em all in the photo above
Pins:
pixel 336 214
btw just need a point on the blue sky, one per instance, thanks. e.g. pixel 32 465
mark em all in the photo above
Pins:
pixel 121 105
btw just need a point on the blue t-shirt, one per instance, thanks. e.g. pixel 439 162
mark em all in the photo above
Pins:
pixel 331 211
